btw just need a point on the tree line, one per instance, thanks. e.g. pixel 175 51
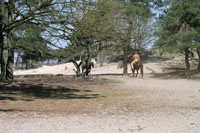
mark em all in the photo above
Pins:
pixel 179 30
pixel 40 30
pixel 37 29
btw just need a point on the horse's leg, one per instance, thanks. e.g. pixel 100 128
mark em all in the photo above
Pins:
pixel 90 68
pixel 137 73
pixel 142 71
pixel 133 70
pixel 84 71
pixel 90 72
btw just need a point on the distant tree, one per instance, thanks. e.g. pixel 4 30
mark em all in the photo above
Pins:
pixel 90 23
pixel 29 43
pixel 180 28
pixel 143 33
pixel 132 10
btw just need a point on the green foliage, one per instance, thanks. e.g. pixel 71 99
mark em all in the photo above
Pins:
pixel 94 24
pixel 136 7
pixel 16 30
pixel 98 22
pixel 83 25
pixel 180 25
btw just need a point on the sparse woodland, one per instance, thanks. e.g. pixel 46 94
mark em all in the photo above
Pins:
pixel 63 31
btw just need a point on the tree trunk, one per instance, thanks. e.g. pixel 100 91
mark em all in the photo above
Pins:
pixel 101 60
pixel 87 45
pixel 3 52
pixel 17 60
pixel 77 71
pixel 9 66
pixel 125 67
pixel 100 55
pixel 198 52
pixel 187 63
pixel 4 59
pixel 26 63
pixel 126 46
pixel 7 53
pixel 88 69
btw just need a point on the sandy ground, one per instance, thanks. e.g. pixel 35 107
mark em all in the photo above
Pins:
pixel 163 104
pixel 67 69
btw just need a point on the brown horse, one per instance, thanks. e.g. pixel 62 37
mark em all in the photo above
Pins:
pixel 137 66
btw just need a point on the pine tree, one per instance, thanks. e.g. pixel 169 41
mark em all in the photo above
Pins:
pixel 14 14
pixel 180 28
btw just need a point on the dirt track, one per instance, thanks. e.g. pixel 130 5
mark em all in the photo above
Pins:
pixel 158 103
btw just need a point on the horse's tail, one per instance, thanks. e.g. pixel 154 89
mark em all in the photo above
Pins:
pixel 142 71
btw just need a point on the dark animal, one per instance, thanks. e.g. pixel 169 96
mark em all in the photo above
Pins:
pixel 86 71
pixel 137 66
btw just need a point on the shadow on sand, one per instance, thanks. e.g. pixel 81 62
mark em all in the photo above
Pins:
pixel 29 92
pixel 176 73
pixel 170 73
pixel 11 110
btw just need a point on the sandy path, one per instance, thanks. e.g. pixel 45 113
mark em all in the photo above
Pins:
pixel 162 106
pixel 169 106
